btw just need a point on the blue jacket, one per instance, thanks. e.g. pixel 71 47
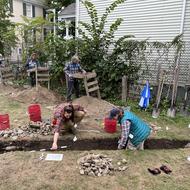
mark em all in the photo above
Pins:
pixel 139 129
pixel 30 64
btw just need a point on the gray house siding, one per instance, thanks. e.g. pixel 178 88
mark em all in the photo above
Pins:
pixel 185 60
pixel 155 20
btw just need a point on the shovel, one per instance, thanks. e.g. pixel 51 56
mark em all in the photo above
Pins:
pixel 172 110
pixel 156 110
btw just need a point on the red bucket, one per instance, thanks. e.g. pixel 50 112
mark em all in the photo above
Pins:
pixel 110 125
pixel 34 112
pixel 4 122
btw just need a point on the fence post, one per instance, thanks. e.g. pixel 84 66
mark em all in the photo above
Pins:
pixel 124 88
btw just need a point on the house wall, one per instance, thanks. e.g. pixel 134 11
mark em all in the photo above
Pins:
pixel 155 20
pixel 185 60
pixel 17 18
pixel 18 10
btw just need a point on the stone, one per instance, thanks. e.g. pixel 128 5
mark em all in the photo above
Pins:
pixel 96 165
pixel 20 131
pixel 119 163
pixel 86 164
pixel 124 168
pixel 187 145
pixel 5 135
pixel 14 138
pixel 124 161
pixel 91 173
pixel 82 172
pixel 9 148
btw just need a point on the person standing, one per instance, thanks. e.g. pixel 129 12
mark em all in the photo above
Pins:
pixel 73 84
pixel 31 63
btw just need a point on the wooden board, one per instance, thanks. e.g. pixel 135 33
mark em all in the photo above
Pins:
pixel 88 75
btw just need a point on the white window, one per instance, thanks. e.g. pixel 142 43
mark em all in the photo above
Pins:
pixel 28 10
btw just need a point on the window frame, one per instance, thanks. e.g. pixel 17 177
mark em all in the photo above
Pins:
pixel 25 5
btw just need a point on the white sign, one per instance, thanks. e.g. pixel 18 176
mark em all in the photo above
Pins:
pixel 54 157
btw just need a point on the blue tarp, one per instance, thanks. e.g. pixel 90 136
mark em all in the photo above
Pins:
pixel 145 96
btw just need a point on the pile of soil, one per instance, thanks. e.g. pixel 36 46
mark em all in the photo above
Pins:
pixel 95 107
pixel 42 95
pixel 6 89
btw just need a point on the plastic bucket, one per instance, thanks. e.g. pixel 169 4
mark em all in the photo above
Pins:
pixel 34 112
pixel 4 122
pixel 110 125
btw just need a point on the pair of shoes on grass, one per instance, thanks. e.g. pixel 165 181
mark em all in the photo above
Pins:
pixel 157 171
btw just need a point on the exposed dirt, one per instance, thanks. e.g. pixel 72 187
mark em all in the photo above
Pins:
pixel 88 144
pixel 42 95
pixel 6 89
pixel 97 110
pixel 94 106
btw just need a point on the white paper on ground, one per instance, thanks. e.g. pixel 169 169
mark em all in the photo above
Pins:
pixel 54 157
pixel 188 158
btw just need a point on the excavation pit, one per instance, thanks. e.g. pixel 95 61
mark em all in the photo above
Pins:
pixel 86 144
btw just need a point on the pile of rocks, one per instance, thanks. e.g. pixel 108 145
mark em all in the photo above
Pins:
pixel 33 129
pixel 97 165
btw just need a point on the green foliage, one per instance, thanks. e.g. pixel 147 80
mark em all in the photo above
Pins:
pixel 31 32
pixel 95 54
pixel 60 52
pixel 57 4
pixel 20 82
pixel 7 34
pixel 96 40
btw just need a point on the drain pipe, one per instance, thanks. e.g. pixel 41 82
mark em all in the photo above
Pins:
pixel 176 78
pixel 77 5
pixel 183 16
pixel 77 18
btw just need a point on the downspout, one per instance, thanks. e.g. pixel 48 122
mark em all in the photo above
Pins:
pixel 183 16
pixel 77 23
pixel 177 68
pixel 77 18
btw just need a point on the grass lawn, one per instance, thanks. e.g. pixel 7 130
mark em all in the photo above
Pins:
pixel 18 111
pixel 24 170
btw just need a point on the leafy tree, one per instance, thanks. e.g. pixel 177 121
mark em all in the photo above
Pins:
pixel 95 50
pixel 96 40
pixel 31 32
pixel 58 4
pixel 7 33
pixel 63 49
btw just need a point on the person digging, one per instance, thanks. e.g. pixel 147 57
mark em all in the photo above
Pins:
pixel 134 131
pixel 66 116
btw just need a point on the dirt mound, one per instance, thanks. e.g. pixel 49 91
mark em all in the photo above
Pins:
pixel 6 89
pixel 94 106
pixel 42 95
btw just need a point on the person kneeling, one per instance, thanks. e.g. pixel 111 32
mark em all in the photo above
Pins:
pixel 134 131
pixel 66 116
